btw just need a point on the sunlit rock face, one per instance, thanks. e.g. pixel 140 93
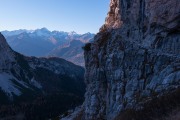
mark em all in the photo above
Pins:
pixel 113 19
pixel 134 57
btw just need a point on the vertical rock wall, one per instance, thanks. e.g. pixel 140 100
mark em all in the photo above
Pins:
pixel 135 56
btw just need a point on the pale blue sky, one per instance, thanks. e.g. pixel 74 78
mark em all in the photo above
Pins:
pixel 64 15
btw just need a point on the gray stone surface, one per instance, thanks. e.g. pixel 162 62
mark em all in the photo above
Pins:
pixel 135 56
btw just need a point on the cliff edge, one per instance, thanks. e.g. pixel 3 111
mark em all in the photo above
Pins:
pixel 134 59
pixel 133 65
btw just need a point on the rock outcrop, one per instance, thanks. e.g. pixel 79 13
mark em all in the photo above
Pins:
pixel 134 58
pixel 113 20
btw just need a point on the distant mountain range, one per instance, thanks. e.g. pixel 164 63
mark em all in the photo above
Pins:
pixel 37 88
pixel 42 43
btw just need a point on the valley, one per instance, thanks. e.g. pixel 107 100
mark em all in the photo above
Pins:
pixel 37 88
pixel 45 43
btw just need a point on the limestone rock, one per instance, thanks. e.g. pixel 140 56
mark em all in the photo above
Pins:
pixel 135 55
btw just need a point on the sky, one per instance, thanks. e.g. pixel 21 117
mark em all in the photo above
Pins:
pixel 80 16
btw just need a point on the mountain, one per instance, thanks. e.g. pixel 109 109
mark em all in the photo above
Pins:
pixel 15 32
pixel 37 88
pixel 133 64
pixel 72 52
pixel 43 43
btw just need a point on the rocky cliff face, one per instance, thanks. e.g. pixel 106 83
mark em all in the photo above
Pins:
pixel 134 58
